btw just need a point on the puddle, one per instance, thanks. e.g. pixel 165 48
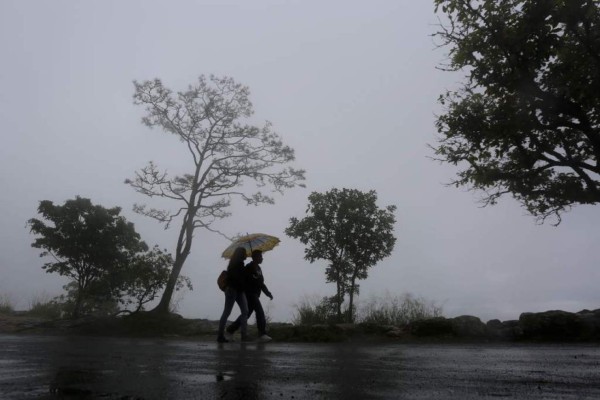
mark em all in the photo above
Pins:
pixel 224 376
pixel 203 378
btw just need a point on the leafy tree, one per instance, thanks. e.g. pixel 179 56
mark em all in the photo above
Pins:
pixel 346 228
pixel 94 300
pixel 209 118
pixel 527 120
pixel 146 275
pixel 88 244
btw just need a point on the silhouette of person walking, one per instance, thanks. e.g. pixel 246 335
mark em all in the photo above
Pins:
pixel 255 284
pixel 234 293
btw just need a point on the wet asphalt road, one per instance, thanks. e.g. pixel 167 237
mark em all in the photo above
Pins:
pixel 47 367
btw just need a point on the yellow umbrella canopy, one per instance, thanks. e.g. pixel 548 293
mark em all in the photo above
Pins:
pixel 253 241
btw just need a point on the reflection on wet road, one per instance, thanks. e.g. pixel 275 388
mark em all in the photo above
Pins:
pixel 37 367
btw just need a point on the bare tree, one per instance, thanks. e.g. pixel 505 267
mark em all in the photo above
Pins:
pixel 224 151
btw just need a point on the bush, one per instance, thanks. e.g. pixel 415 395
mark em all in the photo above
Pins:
pixel 44 307
pixel 397 310
pixel 315 312
pixel 386 310
pixel 6 305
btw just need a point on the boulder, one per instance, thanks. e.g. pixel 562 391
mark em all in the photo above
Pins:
pixel 468 326
pixel 591 324
pixel 504 330
pixel 553 325
pixel 511 330
pixel 494 324
pixel 438 326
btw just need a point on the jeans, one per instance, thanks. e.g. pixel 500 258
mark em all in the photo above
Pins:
pixel 253 305
pixel 234 296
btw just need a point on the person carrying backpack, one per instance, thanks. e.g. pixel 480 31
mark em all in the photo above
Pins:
pixel 234 293
pixel 254 286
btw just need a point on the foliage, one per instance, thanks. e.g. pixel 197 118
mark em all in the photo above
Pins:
pixel 527 120
pixel 88 244
pixel 323 311
pixel 96 300
pixel 6 305
pixel 146 275
pixel 45 307
pixel 397 310
pixel 209 118
pixel 346 228
pixel 103 256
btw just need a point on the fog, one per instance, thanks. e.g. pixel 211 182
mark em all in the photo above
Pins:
pixel 351 86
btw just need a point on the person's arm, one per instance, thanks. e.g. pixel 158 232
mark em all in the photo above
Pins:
pixel 265 290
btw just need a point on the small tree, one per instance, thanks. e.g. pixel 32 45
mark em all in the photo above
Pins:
pixel 146 275
pixel 346 228
pixel 209 119
pixel 88 244
pixel 527 120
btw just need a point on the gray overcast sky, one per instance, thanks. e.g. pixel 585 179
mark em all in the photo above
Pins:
pixel 350 85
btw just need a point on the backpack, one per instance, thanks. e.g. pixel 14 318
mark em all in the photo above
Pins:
pixel 222 280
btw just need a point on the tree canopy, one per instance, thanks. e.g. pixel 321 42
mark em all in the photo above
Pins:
pixel 88 243
pixel 526 121
pixel 226 156
pixel 106 261
pixel 348 229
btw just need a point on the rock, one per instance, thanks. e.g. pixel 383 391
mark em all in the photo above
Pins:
pixel 512 329
pixel 552 325
pixel 494 324
pixel 438 326
pixel 591 324
pixel 505 331
pixel 468 326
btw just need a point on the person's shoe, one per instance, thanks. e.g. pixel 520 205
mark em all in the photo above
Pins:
pixel 265 338
pixel 221 339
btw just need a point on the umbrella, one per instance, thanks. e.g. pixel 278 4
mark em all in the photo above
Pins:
pixel 253 241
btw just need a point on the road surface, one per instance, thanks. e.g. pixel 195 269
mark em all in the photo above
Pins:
pixel 53 367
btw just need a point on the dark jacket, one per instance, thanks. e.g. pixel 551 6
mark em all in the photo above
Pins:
pixel 255 281
pixel 236 277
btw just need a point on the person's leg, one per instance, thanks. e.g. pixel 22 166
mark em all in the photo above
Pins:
pixel 236 324
pixel 230 297
pixel 261 322
pixel 243 303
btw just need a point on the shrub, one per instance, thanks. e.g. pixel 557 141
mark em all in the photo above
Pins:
pixel 45 307
pixel 6 305
pixel 315 312
pixel 397 310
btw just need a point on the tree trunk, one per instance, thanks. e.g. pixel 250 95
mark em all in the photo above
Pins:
pixel 77 308
pixel 78 299
pixel 165 300
pixel 184 243
pixel 351 302
pixel 339 298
